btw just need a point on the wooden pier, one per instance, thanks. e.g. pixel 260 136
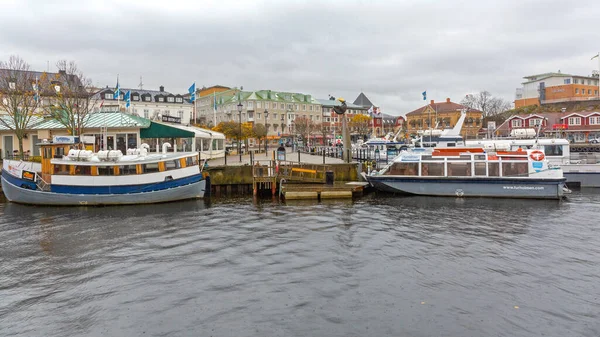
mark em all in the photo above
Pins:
pixel 296 180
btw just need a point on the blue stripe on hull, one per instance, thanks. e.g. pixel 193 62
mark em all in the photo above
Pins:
pixel 18 181
pixel 469 180
pixel 126 189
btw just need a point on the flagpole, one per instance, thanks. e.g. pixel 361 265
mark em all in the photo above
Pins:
pixel 214 108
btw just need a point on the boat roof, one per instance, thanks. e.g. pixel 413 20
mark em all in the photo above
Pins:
pixel 125 160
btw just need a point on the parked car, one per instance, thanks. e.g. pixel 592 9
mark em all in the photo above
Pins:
pixel 594 140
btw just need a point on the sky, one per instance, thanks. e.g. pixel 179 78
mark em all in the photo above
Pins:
pixel 390 50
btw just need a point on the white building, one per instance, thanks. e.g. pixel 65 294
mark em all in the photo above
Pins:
pixel 152 104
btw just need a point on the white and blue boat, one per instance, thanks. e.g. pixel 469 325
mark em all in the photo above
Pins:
pixel 68 176
pixel 471 172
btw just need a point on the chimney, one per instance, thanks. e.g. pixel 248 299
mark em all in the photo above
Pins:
pixel 432 102
pixel 447 100
pixel 161 88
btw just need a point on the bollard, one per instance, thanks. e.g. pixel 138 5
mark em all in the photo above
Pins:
pixel 323 156
pixel 298 155
pixel 225 158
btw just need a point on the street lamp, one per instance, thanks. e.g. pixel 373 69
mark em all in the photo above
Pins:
pixel 267 132
pixel 239 107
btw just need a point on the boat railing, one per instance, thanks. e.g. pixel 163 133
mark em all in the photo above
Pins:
pixel 42 184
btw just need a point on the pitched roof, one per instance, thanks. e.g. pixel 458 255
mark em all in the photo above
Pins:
pixel 98 120
pixel 441 107
pixel 332 103
pixel 362 100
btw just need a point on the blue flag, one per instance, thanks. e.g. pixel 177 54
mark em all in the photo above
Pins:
pixel 127 99
pixel 192 91
pixel 215 102
pixel 424 95
pixel 117 90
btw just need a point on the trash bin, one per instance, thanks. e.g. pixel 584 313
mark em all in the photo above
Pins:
pixel 329 177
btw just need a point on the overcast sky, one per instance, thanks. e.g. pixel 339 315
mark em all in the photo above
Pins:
pixel 391 50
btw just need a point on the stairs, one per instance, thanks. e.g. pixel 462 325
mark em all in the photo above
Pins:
pixel 42 185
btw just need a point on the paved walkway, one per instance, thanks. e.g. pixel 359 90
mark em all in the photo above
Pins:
pixel 290 156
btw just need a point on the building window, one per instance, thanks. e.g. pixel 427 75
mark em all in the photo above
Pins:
pixel 574 120
pixel 575 81
pixel 146 113
pixel 567 81
pixel 259 105
pixel 303 107
pixel 179 100
pixel 170 99
pixel 310 107
pixel 576 90
pixel 180 114
pixel 516 123
pixel 274 116
pixel 282 106
pixel 136 97
pixel 108 96
pixel 589 91
pixel 535 121
pixel 250 105
pixel 167 113
pixel 147 99
pixel 594 120
pixel 161 99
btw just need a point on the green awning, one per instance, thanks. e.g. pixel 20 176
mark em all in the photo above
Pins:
pixel 157 130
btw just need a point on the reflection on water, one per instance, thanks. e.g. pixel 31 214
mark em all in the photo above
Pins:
pixel 376 266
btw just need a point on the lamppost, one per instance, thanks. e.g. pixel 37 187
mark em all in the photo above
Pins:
pixel 267 132
pixel 239 107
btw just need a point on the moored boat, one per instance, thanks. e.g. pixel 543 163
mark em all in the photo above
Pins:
pixel 67 176
pixel 471 172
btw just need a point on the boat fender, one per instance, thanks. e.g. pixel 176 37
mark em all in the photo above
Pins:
pixel 168 178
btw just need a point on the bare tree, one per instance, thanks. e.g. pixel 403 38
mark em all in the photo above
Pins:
pixel 486 103
pixel 304 127
pixel 361 123
pixel 72 95
pixel 19 96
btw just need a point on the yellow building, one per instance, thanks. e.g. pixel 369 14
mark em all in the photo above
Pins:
pixel 443 115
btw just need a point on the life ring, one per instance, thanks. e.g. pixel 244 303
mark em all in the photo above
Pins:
pixel 537 155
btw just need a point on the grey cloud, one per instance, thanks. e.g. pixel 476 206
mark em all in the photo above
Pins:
pixel 389 49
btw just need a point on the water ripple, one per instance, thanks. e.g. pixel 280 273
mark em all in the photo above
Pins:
pixel 371 267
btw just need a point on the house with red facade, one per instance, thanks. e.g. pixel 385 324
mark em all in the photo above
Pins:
pixel 578 127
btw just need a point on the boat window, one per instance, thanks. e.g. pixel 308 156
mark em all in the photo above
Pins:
pixel 428 157
pixel 191 161
pixel 61 169
pixel 479 157
pixel 150 168
pixel 403 169
pixel 127 170
pixel 83 170
pixel 465 156
pixel 59 153
pixel 480 168
pixel 432 169
pixel 172 164
pixel 205 144
pixel 493 169
pixel 451 144
pixel 553 150
pixel 47 152
pixel 459 169
pixel 514 169
pixel 106 171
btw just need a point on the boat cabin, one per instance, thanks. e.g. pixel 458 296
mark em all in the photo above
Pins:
pixel 68 159
pixel 467 162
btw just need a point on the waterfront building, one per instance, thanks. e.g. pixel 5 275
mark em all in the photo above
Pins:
pixel 442 115
pixel 578 126
pixel 556 87
pixel 157 105
pixel 275 109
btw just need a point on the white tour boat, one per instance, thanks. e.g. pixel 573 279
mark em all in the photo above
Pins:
pixel 68 176
pixel 471 172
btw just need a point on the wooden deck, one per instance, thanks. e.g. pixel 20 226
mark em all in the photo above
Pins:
pixel 338 190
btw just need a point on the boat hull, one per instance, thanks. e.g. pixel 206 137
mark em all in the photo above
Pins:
pixel 15 193
pixel 471 186
pixel 582 175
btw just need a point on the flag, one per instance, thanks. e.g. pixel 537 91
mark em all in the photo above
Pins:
pixel 424 95
pixel 101 104
pixel 127 99
pixel 192 91
pixel 117 90
pixel 595 56
pixel 370 110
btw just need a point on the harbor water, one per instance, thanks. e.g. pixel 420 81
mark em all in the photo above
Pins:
pixel 376 266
